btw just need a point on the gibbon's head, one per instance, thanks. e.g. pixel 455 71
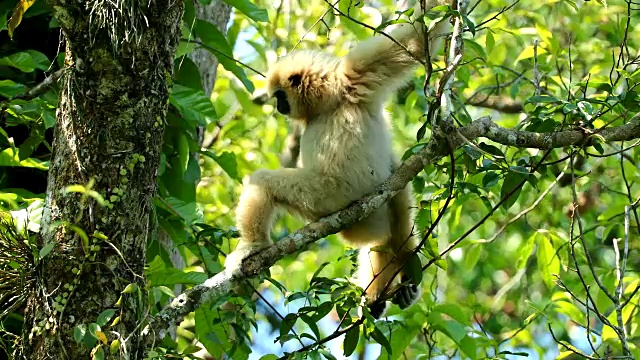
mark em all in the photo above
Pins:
pixel 304 84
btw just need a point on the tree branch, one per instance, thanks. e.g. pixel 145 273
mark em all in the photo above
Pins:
pixel 223 282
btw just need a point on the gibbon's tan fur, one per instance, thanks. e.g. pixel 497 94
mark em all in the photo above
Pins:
pixel 345 150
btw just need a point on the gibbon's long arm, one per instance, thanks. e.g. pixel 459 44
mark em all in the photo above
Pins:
pixel 377 67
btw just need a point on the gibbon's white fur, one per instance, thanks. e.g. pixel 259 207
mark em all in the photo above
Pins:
pixel 345 151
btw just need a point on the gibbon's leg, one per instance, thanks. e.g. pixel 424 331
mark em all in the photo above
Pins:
pixel 377 266
pixel 403 239
pixel 375 270
pixel 254 214
pixel 298 190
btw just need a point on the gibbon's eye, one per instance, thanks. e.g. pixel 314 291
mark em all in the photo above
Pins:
pixel 295 80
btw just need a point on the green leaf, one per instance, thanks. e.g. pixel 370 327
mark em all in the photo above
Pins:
pixel 269 357
pixel 511 184
pixel 350 7
pixel 548 262
pixel 420 133
pixel 26 61
pixel 94 329
pixel 401 338
pixel 194 106
pixel 322 310
pixel 226 160
pixel 11 157
pixel 495 151
pixel 413 269
pixel 456 312
pixel 287 323
pixel 78 332
pixel 313 325
pixel 98 354
pixel 10 89
pixel 542 99
pixel 187 211
pixel 475 47
pixel 351 340
pixel 46 250
pixel 27 148
pixel 472 256
pixel 490 179
pixel 525 252
pixel 490 42
pixel 472 152
pixel 468 346
pixel 326 354
pixel 379 337
pixel 528 53
pixel 105 316
pixel 249 9
pixel 470 25
pixel 217 44
pixel 172 276
pixel 209 331
pixel 183 152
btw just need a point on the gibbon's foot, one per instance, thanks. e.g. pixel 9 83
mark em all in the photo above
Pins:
pixel 407 295
pixel 233 262
pixel 378 309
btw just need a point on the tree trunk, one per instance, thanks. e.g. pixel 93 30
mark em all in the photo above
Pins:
pixel 218 13
pixel 108 138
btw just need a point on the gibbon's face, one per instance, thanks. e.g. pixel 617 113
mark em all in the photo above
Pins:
pixel 303 84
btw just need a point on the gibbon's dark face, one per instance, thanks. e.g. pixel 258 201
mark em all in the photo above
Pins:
pixel 282 104
pixel 303 84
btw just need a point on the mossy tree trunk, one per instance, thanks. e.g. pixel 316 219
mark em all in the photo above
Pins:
pixel 108 138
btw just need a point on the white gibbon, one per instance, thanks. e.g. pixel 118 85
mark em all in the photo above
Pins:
pixel 345 153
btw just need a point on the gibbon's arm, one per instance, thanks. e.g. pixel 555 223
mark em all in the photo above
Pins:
pixel 379 66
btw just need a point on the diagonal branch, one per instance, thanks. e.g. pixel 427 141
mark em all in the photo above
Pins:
pixel 436 148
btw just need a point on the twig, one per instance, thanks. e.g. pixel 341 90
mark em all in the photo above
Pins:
pixel 320 19
pixel 374 29
pixel 326 339
pixel 222 53
pixel 41 87
pixel 527 210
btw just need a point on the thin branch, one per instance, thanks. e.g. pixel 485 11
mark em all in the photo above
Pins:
pixel 320 19
pixel 41 87
pixel 527 210
pixel 222 53
pixel 326 339
pixel 374 30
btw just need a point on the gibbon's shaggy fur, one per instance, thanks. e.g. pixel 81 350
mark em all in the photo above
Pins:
pixel 345 151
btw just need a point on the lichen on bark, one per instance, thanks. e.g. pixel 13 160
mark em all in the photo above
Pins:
pixel 113 102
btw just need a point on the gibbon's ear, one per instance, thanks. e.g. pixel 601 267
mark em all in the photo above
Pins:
pixel 295 80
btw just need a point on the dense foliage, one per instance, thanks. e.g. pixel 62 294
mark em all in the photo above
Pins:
pixel 546 262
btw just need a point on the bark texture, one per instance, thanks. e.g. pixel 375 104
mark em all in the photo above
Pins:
pixel 110 120
pixel 218 13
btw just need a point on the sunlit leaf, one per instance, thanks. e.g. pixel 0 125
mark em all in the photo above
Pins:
pixel 21 7
pixel 248 8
